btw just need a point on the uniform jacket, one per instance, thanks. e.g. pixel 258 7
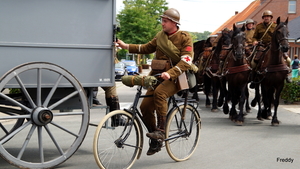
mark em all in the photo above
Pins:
pixel 181 40
pixel 249 35
pixel 260 30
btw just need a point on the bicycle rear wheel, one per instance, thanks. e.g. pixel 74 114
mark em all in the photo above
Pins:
pixel 116 147
pixel 182 135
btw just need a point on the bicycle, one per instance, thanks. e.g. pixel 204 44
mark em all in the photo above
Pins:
pixel 120 145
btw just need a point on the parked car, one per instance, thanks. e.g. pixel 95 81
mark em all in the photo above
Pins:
pixel 120 70
pixel 131 67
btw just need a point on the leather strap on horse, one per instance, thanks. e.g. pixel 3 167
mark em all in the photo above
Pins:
pixel 237 69
pixel 276 68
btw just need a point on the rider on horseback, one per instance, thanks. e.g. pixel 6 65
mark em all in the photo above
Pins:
pixel 261 39
pixel 249 34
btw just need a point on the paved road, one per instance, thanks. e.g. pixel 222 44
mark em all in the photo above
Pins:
pixel 223 145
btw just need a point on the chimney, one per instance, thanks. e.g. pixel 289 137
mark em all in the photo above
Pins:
pixel 236 12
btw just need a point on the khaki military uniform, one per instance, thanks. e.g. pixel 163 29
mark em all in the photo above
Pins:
pixel 249 35
pixel 257 36
pixel 260 31
pixel 158 102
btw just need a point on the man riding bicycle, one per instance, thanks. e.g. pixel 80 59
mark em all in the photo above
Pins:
pixel 173 45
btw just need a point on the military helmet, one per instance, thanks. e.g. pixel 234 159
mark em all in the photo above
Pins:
pixel 171 14
pixel 267 13
pixel 249 21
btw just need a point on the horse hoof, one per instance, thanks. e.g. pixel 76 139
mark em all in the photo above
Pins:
pixel 239 123
pixel 275 123
pixel 248 110
pixel 259 118
pixel 214 110
pixel 268 118
pixel 207 106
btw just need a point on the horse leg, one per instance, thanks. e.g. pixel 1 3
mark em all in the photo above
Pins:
pixel 247 106
pixel 222 92
pixel 275 121
pixel 267 100
pixel 257 94
pixel 207 88
pixel 255 99
pixel 215 95
pixel 240 118
pixel 233 113
pixel 225 105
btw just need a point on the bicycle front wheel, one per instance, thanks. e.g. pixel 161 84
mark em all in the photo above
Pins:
pixel 182 132
pixel 117 147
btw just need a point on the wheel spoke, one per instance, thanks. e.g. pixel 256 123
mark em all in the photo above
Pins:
pixel 68 113
pixel 15 102
pixel 26 141
pixel 63 100
pixel 15 117
pixel 14 132
pixel 25 92
pixel 64 129
pixel 46 102
pixel 3 128
pixel 41 147
pixel 54 141
pixel 39 87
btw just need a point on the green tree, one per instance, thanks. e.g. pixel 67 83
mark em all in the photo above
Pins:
pixel 201 36
pixel 140 20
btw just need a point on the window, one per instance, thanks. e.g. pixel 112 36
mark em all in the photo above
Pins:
pixel 292 6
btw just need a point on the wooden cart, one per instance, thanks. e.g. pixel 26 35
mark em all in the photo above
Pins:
pixel 52 54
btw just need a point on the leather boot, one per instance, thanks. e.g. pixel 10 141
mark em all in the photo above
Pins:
pixel 154 146
pixel 95 100
pixel 113 103
pixel 159 134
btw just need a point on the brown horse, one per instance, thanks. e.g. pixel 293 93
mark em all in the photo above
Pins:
pixel 236 72
pixel 211 79
pixel 272 72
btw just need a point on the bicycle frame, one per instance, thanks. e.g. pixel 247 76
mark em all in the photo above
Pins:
pixel 136 113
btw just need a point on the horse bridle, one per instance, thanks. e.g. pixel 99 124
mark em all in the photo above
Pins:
pixel 234 49
pixel 280 40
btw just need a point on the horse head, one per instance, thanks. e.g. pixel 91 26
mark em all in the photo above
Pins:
pixel 226 37
pixel 238 41
pixel 280 35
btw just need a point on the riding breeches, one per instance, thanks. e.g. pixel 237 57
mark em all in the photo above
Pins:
pixel 110 91
pixel 158 102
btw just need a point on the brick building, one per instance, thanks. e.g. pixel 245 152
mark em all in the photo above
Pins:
pixel 282 8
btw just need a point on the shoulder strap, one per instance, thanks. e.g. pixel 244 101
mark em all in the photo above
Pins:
pixel 266 31
pixel 167 47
